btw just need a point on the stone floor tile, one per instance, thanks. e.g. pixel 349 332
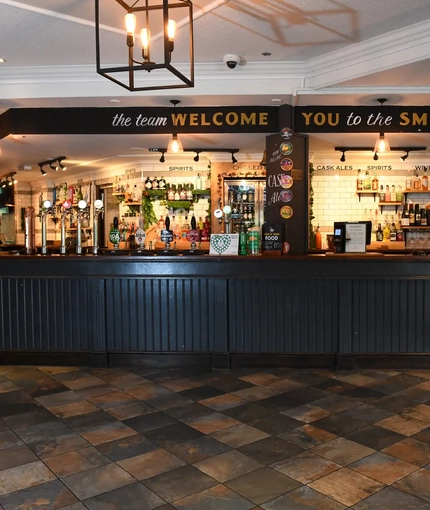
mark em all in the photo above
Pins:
pixel 254 393
pixel 99 480
pixel 369 414
pixel 420 393
pixel 130 410
pixel 229 383
pixel 198 449
pixel 201 392
pixel 305 467
pixel 43 431
pixel 357 379
pixel 395 403
pixel 364 394
pixel 112 399
pixel 147 391
pixel 167 401
pixel 59 399
pixel 228 465
pixel 107 433
pixel 342 451
pixel 247 412
pixel 239 435
pixel 188 412
pixel 149 422
pixel 77 461
pixel 384 468
pixel 73 409
pixel 131 497
pixel 58 445
pixel 346 486
pixel 337 403
pixel 303 498
pixel 418 483
pixel 16 456
pixel 262 485
pixel 397 383
pixel 307 413
pixel 275 423
pixel 420 412
pixel 181 384
pixel 339 424
pixel 215 498
pixel 411 450
pixel 375 437
pixel 171 434
pixel 9 439
pixel 75 506
pixel 307 436
pixel 22 477
pixel 402 424
pixel 222 402
pixel 49 496
pixel 127 447
pixel 6 386
pixel 212 422
pixel 78 380
pixel 22 421
pixel 179 483
pixel 150 464
pixel 270 450
pixel 391 499
pixel 261 379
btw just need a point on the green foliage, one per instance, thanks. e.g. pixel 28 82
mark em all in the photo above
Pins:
pixel 148 213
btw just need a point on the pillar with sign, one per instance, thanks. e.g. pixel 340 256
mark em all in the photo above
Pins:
pixel 287 181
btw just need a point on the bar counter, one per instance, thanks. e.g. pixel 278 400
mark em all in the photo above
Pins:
pixel 334 311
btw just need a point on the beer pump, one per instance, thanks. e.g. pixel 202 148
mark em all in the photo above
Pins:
pixel 45 210
pixel 82 212
pixel 98 208
pixel 66 209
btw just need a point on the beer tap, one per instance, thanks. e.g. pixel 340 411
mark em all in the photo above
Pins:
pixel 82 212
pixel 44 211
pixel 66 209
pixel 29 218
pixel 224 215
pixel 98 208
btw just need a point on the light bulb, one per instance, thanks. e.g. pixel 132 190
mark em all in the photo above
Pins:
pixel 171 29
pixel 145 37
pixel 130 23
pixel 175 145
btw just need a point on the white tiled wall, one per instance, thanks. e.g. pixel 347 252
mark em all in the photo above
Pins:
pixel 336 199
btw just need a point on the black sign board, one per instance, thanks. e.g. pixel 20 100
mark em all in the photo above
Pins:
pixel 166 236
pixel 361 119
pixel 272 237
pixel 287 187
pixel 140 120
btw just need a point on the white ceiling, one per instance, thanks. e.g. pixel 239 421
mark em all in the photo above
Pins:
pixel 323 52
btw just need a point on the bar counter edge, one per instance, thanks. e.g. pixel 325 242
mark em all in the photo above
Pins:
pixel 216 312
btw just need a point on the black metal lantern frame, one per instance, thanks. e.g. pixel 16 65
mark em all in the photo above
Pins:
pixel 146 9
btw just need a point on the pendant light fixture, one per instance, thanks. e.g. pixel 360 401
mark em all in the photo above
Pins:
pixel 175 145
pixel 382 144
pixel 155 24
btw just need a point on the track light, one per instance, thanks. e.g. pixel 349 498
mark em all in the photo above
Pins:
pixel 233 159
pixel 196 157
pixel 375 156
pixel 51 162
pixel 405 157
pixel 342 158
pixel 53 167
pixel 42 171
pixel 162 159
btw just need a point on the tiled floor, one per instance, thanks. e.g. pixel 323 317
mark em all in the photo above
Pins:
pixel 114 439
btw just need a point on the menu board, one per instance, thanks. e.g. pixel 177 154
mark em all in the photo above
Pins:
pixel 287 187
pixel 272 237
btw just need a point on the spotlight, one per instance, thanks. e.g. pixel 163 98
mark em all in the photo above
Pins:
pixel 162 159
pixel 233 159
pixel 42 171
pixel 342 158
pixel 3 184
pixel 375 156
pixel 405 157
pixel 10 183
pixel 196 157
pixel 60 164
pixel 53 167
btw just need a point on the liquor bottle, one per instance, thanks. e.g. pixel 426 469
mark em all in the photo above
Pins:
pixel 417 182
pixel 386 232
pixel 201 224
pixel 423 214
pixel 244 196
pixel 245 213
pixel 114 234
pixel 367 183
pixel 199 183
pixel 399 234
pixel 408 182
pixel 148 183
pixel 393 196
pixel 177 194
pixel 359 181
pixel 243 240
pixel 182 193
pixel 393 231
pixel 387 194
pixel 399 194
pixel 417 215
pixel 318 238
pixel 425 180
pixel 375 182
pixel 161 223
pixel 379 233
pixel 411 216
pixel 155 183
pixel 162 183
pixel 189 192
pixel 171 192
pixel 381 194
pixel 251 195
pixel 405 217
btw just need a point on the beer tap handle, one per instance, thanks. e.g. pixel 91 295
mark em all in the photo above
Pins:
pixel 167 223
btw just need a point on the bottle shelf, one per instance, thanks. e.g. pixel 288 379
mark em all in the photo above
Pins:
pixel 132 203
pixel 390 203
pixel 408 191
pixel 425 227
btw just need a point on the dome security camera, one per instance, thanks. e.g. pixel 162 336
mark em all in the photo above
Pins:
pixel 231 60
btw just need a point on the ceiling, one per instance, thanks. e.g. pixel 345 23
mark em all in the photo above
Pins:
pixel 321 52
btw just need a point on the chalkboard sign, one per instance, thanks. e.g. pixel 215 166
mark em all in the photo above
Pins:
pixel 166 236
pixel 272 237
